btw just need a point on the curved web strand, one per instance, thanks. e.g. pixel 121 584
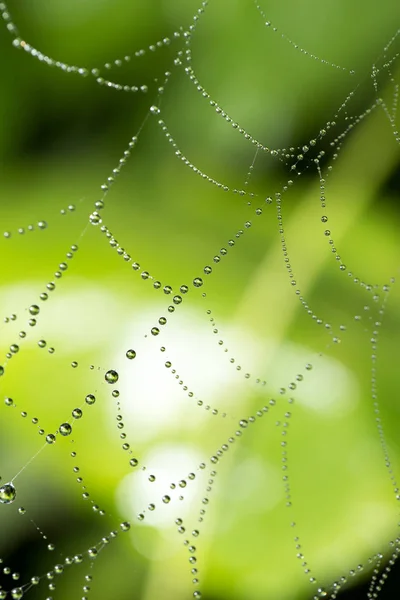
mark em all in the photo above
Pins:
pixel 269 25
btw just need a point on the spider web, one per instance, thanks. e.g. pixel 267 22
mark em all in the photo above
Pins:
pixel 219 357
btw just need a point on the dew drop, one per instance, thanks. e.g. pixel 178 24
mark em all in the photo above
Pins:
pixel 130 354
pixel 95 218
pixel 65 429
pixel 111 376
pixel 7 493
pixel 34 309
pixel 90 399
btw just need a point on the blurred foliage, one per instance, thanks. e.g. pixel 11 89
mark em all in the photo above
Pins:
pixel 61 137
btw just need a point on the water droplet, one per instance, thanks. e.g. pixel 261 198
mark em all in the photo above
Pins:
pixel 65 429
pixel 7 493
pixel 90 399
pixel 155 110
pixel 17 593
pixel 166 499
pixel 197 282
pixel 111 376
pixel 95 218
pixel 130 354
pixel 34 309
pixel 50 438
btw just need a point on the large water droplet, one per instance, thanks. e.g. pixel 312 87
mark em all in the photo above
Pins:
pixel 111 376
pixel 7 493
pixel 95 218
pixel 65 429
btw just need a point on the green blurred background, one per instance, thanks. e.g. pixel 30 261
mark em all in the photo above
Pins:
pixel 61 137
